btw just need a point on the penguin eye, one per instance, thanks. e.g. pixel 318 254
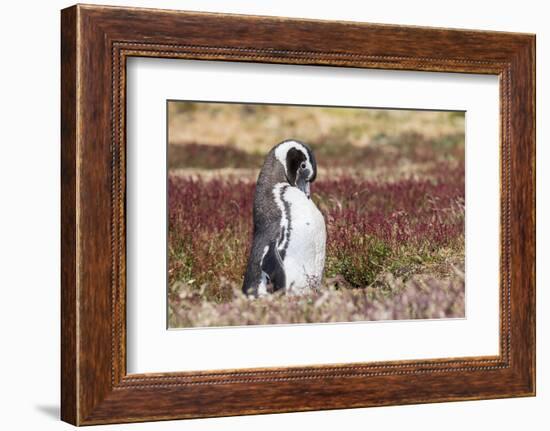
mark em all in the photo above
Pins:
pixel 303 165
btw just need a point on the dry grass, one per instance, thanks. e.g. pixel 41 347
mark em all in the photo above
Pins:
pixel 255 128
pixel 422 297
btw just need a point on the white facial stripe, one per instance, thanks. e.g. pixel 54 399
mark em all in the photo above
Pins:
pixel 309 166
pixel 282 150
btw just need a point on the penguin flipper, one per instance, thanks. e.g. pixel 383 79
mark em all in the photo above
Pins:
pixel 272 265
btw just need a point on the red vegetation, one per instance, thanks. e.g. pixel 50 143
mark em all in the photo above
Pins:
pixel 373 227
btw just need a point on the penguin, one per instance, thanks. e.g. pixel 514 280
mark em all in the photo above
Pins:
pixel 289 232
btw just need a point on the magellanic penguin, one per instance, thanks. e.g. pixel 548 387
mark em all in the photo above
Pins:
pixel 288 247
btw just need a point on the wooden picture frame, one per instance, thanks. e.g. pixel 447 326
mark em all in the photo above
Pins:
pixel 95 43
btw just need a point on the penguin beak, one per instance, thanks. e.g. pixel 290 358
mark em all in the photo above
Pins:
pixel 303 184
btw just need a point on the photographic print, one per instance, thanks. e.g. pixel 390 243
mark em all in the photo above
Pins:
pixel 267 212
pixel 285 214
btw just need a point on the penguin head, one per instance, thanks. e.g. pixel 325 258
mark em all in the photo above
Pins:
pixel 299 164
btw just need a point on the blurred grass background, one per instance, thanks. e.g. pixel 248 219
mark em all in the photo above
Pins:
pixel 254 128
pixel 218 135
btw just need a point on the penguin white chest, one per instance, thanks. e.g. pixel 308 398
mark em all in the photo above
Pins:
pixel 304 258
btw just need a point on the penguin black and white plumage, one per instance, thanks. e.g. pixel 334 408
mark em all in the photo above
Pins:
pixel 289 235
